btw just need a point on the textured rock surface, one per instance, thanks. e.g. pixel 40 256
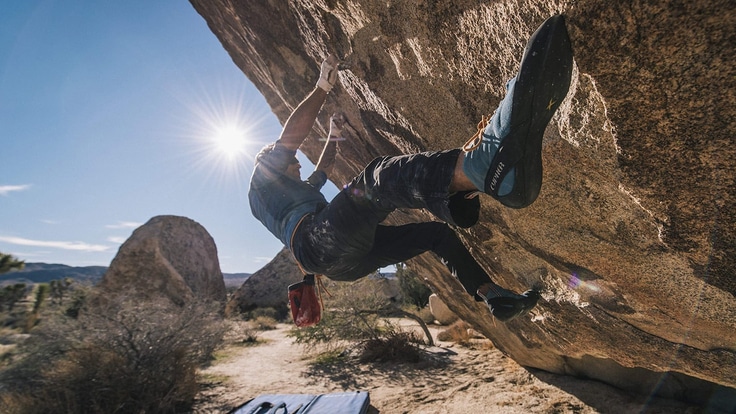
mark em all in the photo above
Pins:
pixel 266 287
pixel 169 256
pixel 632 237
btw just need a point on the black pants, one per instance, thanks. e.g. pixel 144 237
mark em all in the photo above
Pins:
pixel 345 240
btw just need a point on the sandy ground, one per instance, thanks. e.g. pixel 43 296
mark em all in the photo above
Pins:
pixel 473 378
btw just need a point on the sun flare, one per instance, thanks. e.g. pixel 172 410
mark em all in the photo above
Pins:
pixel 230 141
pixel 223 130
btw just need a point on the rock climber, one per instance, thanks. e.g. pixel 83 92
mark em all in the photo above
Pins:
pixel 345 240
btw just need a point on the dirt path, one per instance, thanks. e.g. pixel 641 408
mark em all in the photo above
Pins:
pixel 453 379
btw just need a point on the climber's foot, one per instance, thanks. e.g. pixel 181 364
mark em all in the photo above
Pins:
pixel 512 165
pixel 507 305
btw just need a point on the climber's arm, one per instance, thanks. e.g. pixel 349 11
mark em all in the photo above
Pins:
pixel 297 127
pixel 327 158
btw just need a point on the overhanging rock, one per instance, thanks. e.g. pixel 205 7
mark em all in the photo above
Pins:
pixel 632 237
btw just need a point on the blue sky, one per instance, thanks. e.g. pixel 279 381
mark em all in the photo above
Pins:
pixel 110 114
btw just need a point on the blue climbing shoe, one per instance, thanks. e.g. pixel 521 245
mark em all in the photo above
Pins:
pixel 512 139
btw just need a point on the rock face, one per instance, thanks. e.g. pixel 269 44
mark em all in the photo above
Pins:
pixel 632 237
pixel 266 287
pixel 169 256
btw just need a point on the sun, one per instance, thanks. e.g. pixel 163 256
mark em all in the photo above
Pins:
pixel 221 131
pixel 229 141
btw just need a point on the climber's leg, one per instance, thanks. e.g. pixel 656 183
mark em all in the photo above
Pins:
pixel 505 161
pixel 394 244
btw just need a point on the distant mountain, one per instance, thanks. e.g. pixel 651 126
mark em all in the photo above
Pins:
pixel 45 272
pixel 235 279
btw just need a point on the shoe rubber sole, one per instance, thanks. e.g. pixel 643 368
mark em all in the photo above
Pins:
pixel 541 85
pixel 505 308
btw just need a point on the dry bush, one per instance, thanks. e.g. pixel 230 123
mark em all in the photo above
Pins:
pixel 264 323
pixel 355 317
pixel 248 332
pixel 345 319
pixel 126 357
pixel 392 347
pixel 276 313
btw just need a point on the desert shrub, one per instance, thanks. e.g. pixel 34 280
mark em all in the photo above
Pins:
pixel 13 308
pixel 250 335
pixel 42 292
pixel 413 289
pixel 355 316
pixel 243 331
pixel 230 290
pixel 337 329
pixel 264 323
pixel 279 314
pixel 33 317
pixel 349 317
pixel 77 301
pixel 59 289
pixel 125 357
pixel 392 347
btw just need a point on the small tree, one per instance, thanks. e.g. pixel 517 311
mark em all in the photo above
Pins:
pixel 415 292
pixel 59 289
pixel 8 263
pixel 34 317
pixel 11 295
pixel 350 316
pixel 42 291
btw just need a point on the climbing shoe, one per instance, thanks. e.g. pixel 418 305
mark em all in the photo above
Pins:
pixel 506 305
pixel 504 159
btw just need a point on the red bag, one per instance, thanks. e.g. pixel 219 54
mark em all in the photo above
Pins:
pixel 306 308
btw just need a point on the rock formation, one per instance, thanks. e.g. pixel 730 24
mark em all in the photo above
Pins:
pixel 440 311
pixel 267 287
pixel 169 256
pixel 632 237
